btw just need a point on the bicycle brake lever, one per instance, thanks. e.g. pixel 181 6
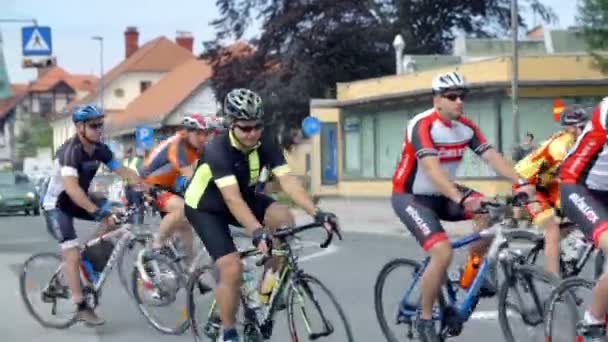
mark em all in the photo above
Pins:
pixel 327 241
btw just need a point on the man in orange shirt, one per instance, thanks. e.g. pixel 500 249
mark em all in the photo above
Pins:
pixel 170 165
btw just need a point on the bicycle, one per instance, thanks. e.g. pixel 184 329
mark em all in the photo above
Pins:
pixel 451 313
pixel 170 272
pixel 258 320
pixel 56 289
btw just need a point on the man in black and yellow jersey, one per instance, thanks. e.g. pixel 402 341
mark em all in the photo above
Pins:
pixel 222 192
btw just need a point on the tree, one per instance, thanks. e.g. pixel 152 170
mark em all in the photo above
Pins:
pixel 592 17
pixel 306 47
pixel 38 134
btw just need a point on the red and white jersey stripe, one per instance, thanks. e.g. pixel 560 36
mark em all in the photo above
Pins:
pixel 429 134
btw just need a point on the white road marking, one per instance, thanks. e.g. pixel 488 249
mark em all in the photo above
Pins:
pixel 489 315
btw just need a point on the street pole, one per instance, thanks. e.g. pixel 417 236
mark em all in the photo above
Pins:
pixel 515 70
pixel 399 45
pixel 101 85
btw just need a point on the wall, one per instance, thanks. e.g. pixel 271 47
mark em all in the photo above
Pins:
pixel 202 100
pixel 130 84
pixel 325 115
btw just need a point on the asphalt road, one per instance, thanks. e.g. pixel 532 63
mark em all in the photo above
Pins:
pixel 349 269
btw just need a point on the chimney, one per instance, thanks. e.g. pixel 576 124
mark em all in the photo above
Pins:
pixel 131 41
pixel 185 40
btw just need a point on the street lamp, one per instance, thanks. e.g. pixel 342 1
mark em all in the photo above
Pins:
pixel 100 39
pixel 399 45
pixel 515 70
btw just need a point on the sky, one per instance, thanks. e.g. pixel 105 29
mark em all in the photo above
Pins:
pixel 73 24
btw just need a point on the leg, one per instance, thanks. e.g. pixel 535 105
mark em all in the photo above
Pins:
pixel 552 247
pixel 173 206
pixel 424 224
pixel 214 233
pixel 590 211
pixel 543 215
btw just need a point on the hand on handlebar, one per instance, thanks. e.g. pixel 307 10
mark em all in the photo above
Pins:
pixel 472 204
pixel 329 222
pixel 262 239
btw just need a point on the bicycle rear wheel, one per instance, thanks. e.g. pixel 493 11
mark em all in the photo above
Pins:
pixel 530 287
pixel 567 293
pixel 202 307
pixel 155 300
pixel 308 288
pixel 46 285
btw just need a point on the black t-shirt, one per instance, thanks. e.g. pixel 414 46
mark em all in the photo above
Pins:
pixel 224 164
pixel 73 160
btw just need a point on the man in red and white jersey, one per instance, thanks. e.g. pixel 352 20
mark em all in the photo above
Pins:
pixel 424 191
pixel 584 200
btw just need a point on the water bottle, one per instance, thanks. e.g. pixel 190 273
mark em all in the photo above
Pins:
pixel 89 271
pixel 249 286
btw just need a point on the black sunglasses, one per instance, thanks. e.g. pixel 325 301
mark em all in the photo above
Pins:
pixel 248 129
pixel 95 125
pixel 453 97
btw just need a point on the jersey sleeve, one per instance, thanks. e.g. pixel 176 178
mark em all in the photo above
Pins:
pixel 105 155
pixel 177 154
pixel 273 156
pixel 221 170
pixel 419 135
pixel 69 159
pixel 478 143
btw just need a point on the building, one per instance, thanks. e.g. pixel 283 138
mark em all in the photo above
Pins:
pixel 142 68
pixel 363 127
pixel 185 89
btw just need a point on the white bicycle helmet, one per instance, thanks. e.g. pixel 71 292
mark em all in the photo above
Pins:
pixel 449 81
pixel 243 104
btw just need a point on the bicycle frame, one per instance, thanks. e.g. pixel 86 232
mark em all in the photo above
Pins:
pixel 465 309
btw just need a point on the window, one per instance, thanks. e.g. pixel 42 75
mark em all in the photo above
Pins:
pixel 143 85
pixel 46 105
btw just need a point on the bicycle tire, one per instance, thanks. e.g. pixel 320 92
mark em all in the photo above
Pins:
pixel 122 273
pixel 193 281
pixel 558 293
pixel 378 290
pixel 525 269
pixel 309 279
pixel 28 304
pixel 180 329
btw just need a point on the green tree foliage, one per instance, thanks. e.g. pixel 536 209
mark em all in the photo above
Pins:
pixel 592 17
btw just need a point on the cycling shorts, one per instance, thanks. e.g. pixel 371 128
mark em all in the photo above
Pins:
pixel 421 214
pixel 586 207
pixel 61 222
pixel 212 227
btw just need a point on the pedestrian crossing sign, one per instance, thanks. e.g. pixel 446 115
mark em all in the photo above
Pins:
pixel 36 41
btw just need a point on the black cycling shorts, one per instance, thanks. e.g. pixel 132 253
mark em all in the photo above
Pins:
pixel 212 228
pixel 586 207
pixel 61 222
pixel 421 214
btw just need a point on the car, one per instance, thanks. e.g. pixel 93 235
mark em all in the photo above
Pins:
pixel 18 194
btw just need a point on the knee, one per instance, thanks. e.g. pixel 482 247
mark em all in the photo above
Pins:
pixel 442 252
pixel 230 268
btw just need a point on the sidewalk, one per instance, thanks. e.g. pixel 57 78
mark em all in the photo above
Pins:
pixel 373 216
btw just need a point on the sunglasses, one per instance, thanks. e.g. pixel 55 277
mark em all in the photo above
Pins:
pixel 453 97
pixel 247 129
pixel 95 125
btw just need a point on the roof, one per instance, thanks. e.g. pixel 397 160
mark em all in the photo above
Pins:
pixel 162 98
pixel 160 54
pixel 56 75
pixel 575 69
pixel 19 92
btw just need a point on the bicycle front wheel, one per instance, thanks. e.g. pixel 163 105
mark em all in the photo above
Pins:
pixel 311 300
pixel 164 301
pixel 45 292
pixel 560 322
pixel 524 294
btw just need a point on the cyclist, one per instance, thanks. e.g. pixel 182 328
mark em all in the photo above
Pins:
pixel 170 165
pixel 424 191
pixel 540 169
pixel 222 192
pixel 584 200
pixel 66 198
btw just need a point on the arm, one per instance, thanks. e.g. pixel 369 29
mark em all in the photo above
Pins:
pixel 294 189
pixel 500 165
pixel 440 178
pixel 239 208
pixel 187 171
pixel 73 189
pixel 131 176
